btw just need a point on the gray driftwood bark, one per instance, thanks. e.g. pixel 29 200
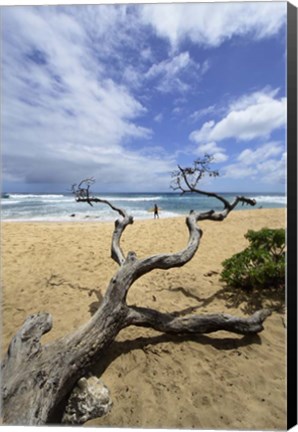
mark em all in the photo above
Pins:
pixel 37 379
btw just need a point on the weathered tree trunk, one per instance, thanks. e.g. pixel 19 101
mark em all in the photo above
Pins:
pixel 37 380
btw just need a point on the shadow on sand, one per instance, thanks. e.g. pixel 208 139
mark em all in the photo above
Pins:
pixel 118 348
pixel 249 301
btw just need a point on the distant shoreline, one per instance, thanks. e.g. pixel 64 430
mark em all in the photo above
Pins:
pixel 63 207
pixel 90 220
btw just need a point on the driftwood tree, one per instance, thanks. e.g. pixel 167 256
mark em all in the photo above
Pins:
pixel 186 180
pixel 38 381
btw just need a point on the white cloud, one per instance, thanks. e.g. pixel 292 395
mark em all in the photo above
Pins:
pixel 71 76
pixel 177 111
pixel 62 119
pixel 250 157
pixel 158 118
pixel 254 98
pixel 170 67
pixel 205 67
pixel 147 54
pixel 273 171
pixel 237 171
pixel 195 116
pixel 203 134
pixel 210 24
pixel 266 164
pixel 214 150
pixel 252 116
pixel 171 73
pixel 220 157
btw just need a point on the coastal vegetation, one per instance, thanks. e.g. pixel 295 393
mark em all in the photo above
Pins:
pixel 255 277
pixel 261 265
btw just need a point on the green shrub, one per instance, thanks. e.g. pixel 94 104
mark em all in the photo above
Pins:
pixel 261 264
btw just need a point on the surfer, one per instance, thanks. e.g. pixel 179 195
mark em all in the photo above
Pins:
pixel 156 215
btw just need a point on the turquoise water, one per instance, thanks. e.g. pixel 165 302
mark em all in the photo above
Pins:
pixel 62 207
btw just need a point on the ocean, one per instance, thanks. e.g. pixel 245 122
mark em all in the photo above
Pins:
pixel 63 207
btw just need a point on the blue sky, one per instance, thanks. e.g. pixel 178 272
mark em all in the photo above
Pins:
pixel 125 93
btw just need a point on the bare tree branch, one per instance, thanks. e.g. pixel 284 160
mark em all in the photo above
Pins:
pixel 83 195
pixel 186 180
pixel 197 324
pixel 83 192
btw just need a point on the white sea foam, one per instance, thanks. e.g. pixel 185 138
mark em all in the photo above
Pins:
pixel 275 199
pixel 60 207
pixel 53 201
pixel 30 196
pixel 67 198
pixel 136 199
pixel 8 202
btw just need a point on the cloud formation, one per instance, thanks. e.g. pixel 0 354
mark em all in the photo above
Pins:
pixel 212 24
pixel 169 72
pixel 252 116
pixel 87 89
pixel 213 149
pixel 267 163
pixel 68 113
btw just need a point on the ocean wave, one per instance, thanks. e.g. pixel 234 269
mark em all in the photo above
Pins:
pixel 41 201
pixel 82 216
pixel 60 201
pixel 68 198
pixel 30 196
pixel 136 199
pixel 6 202
pixel 279 199
pixel 57 207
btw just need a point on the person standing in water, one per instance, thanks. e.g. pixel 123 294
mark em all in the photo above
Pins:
pixel 156 215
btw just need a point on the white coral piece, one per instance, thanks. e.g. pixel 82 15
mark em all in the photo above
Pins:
pixel 89 399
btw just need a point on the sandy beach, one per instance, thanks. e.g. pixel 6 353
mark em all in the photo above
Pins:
pixel 217 381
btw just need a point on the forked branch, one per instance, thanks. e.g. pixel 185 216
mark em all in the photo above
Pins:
pixel 82 194
pixel 186 180
pixel 166 261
